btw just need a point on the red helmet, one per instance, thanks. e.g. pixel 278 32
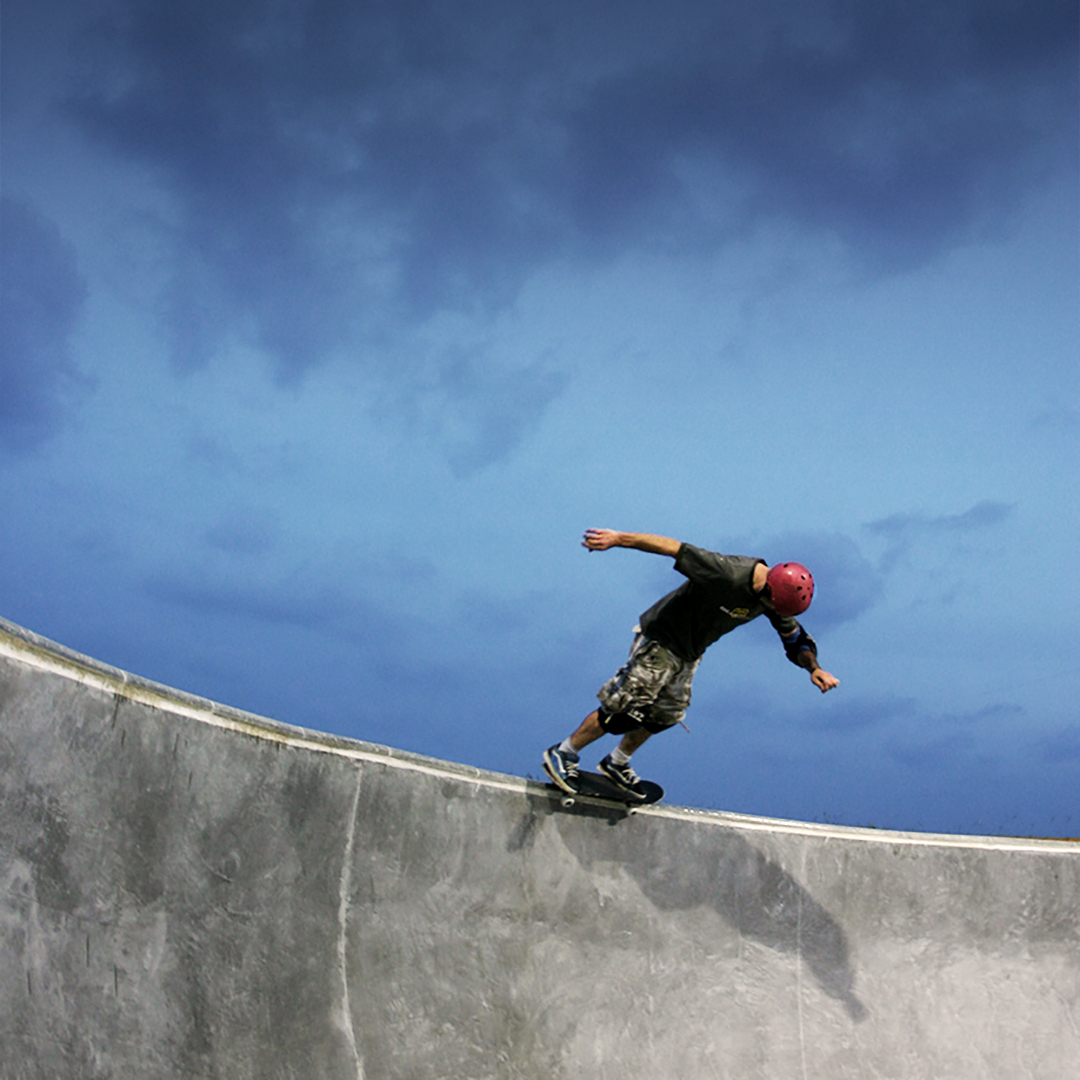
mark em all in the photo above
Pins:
pixel 791 587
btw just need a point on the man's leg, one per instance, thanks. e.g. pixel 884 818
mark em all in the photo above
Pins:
pixel 659 692
pixel 589 731
pixel 561 761
pixel 636 682
pixel 616 766
pixel 632 740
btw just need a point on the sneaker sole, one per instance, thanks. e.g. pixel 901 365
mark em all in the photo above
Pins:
pixel 556 779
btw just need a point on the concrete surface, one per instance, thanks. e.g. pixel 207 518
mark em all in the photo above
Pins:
pixel 191 891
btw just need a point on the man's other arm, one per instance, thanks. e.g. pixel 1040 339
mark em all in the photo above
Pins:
pixel 602 539
pixel 801 650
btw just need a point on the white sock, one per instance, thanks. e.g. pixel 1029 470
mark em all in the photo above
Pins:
pixel 567 747
pixel 619 756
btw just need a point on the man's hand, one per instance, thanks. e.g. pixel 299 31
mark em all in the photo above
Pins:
pixel 602 539
pixel 823 680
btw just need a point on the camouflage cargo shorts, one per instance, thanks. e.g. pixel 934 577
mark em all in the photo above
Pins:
pixel 653 685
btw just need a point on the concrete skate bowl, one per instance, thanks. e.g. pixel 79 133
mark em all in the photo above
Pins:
pixel 191 891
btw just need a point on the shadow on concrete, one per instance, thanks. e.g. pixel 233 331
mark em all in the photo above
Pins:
pixel 679 869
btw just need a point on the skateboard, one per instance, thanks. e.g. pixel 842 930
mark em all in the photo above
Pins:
pixel 595 786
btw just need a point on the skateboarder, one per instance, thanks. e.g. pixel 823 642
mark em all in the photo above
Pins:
pixel 651 691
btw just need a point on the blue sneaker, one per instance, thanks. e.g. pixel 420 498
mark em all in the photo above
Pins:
pixel 562 767
pixel 623 777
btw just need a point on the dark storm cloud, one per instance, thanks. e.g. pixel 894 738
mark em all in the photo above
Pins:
pixel 342 168
pixel 41 296
pixel 886 127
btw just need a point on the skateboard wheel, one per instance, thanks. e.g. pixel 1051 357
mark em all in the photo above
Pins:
pixel 567 800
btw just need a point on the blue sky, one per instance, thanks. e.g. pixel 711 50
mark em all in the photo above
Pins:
pixel 329 327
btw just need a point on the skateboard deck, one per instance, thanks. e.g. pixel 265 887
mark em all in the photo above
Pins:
pixel 595 786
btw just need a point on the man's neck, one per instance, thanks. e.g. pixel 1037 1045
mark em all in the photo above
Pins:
pixel 761 575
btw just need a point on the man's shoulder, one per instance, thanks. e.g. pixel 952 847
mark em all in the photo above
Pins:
pixel 695 561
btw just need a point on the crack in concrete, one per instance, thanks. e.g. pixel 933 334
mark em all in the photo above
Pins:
pixel 345 1017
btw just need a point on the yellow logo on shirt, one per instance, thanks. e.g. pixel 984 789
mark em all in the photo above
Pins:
pixel 736 613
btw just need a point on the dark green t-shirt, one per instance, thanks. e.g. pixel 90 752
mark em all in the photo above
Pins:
pixel 717 597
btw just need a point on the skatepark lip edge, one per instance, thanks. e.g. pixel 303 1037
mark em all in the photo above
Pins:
pixel 47 656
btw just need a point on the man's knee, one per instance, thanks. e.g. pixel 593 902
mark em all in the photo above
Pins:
pixel 632 719
pixel 619 723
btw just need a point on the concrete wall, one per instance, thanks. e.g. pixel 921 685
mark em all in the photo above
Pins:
pixel 190 891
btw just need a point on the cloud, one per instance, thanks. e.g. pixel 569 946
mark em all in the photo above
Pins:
pixel 312 595
pixel 902 530
pixel 884 123
pixel 481 414
pixel 1063 746
pixel 980 516
pixel 1060 419
pixel 865 712
pixel 296 607
pixel 1002 710
pixel 959 734
pixel 845 582
pixel 342 171
pixel 243 534
pixel 41 297
pixel 937 754
pixel 337 167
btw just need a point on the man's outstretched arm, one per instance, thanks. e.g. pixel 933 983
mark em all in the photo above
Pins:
pixel 602 539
